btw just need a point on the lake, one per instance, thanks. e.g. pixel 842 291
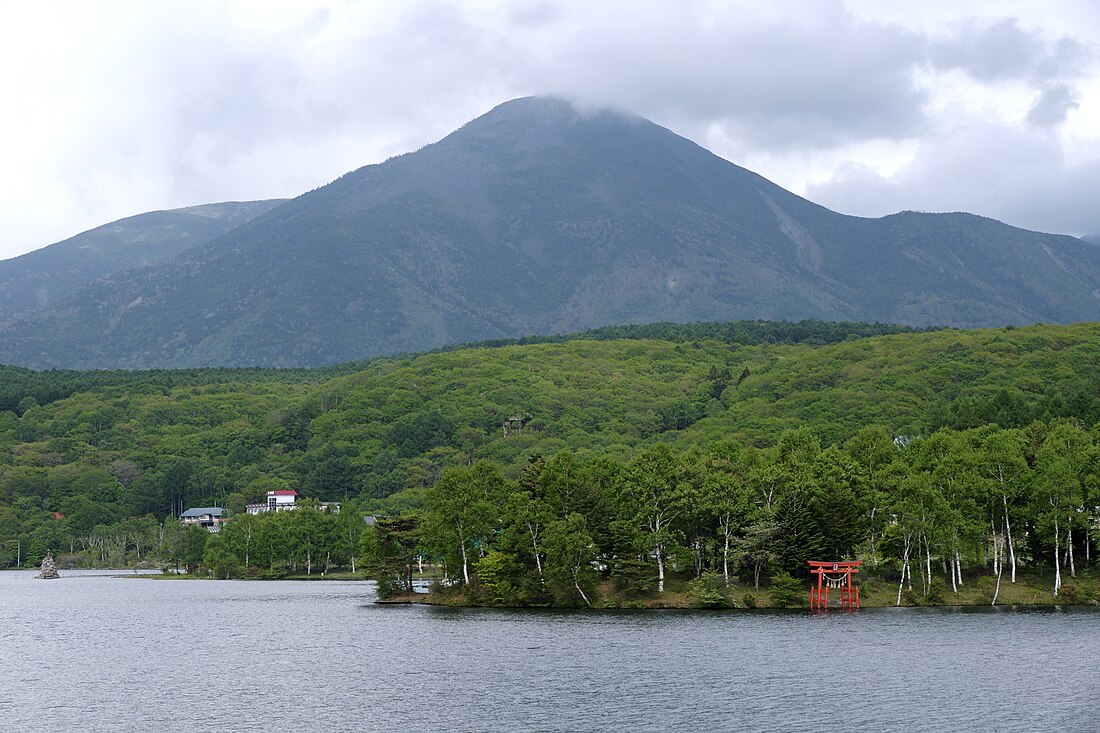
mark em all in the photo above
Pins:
pixel 93 651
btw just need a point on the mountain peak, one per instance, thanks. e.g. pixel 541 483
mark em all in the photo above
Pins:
pixel 547 215
pixel 547 113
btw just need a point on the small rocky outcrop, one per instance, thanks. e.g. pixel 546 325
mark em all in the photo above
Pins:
pixel 47 571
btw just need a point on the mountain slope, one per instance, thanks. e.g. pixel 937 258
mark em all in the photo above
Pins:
pixel 47 276
pixel 539 218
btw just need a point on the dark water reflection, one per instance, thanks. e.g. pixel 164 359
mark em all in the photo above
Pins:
pixel 103 653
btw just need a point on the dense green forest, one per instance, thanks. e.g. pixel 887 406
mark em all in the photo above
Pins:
pixel 934 514
pixel 90 455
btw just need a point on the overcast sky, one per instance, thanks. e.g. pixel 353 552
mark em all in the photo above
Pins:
pixel 115 108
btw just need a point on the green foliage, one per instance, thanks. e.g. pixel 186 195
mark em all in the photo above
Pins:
pixel 937 591
pixel 798 461
pixel 219 559
pixel 786 591
pixel 1074 592
pixel 711 591
pixel 390 549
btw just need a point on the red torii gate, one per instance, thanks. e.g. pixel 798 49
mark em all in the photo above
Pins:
pixel 839 575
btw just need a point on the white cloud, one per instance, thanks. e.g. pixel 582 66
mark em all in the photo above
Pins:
pixel 124 107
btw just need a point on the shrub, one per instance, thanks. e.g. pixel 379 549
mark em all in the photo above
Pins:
pixel 710 591
pixel 787 591
pixel 1070 592
pixel 749 600
pixel 936 592
pixel 985 586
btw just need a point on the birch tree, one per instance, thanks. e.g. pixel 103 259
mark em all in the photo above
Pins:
pixel 1000 459
pixel 651 496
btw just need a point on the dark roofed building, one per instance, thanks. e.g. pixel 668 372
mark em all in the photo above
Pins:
pixel 211 517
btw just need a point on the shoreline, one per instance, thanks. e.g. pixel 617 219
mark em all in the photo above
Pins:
pixel 1031 590
pixel 424 599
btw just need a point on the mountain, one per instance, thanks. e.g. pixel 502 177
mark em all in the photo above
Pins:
pixel 47 276
pixel 1092 238
pixel 539 217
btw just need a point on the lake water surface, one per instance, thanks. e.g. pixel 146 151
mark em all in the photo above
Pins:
pixel 95 652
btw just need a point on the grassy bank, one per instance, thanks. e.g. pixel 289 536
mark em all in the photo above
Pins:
pixel 1030 589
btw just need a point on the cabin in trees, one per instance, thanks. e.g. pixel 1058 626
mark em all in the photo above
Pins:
pixel 210 517
pixel 282 500
pixel 516 423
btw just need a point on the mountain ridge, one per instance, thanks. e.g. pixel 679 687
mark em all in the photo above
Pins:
pixel 42 277
pixel 538 217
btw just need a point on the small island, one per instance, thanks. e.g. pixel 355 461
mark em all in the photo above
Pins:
pixel 48 571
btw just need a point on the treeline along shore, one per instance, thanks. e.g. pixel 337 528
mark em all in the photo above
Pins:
pixel 652 465
pixel 984 507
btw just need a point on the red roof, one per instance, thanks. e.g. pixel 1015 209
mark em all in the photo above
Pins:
pixel 58 515
pixel 285 492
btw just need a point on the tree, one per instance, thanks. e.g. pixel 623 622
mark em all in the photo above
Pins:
pixel 463 512
pixel 755 550
pixel 1063 466
pixel 195 538
pixel 569 555
pixel 313 537
pixel 651 497
pixel 390 549
pixel 1000 459
pixel 240 537
pixel 786 591
pixel 876 455
pixel 349 528
pixel 218 558
pixel 525 522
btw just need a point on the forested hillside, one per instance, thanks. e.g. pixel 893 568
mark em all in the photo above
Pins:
pixel 118 447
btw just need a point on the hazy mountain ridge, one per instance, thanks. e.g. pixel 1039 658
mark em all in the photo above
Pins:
pixel 539 218
pixel 46 276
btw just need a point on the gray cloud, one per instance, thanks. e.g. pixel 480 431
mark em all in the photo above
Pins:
pixel 180 103
pixel 779 85
pixel 1018 176
pixel 1053 105
pixel 1003 50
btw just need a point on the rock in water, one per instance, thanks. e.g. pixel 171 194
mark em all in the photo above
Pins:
pixel 47 571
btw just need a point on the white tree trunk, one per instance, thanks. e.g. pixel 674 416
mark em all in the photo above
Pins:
pixel 1057 560
pixel 997 590
pixel 577 585
pixel 726 558
pixel 1008 534
pixel 465 566
pixel 958 566
pixel 951 568
pixel 533 531
pixel 904 569
pixel 660 570
pixel 874 555
pixel 1069 544
pixel 927 566
pixel 996 546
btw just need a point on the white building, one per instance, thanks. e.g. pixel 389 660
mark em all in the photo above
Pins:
pixel 276 501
